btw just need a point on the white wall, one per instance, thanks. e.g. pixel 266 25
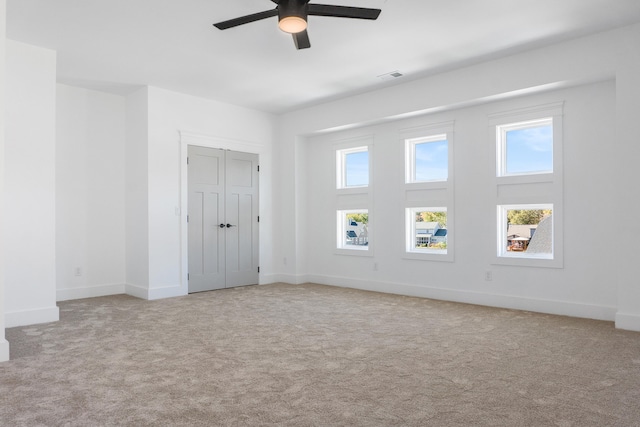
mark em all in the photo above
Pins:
pixel 136 194
pixel 598 58
pixel 628 200
pixel 30 270
pixel 581 288
pixel 90 193
pixel 4 345
pixel 210 122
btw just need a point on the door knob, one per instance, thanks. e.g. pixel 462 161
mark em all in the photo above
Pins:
pixel 221 226
pixel 229 225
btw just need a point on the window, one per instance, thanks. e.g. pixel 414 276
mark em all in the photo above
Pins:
pixel 352 167
pixel 427 159
pixel 526 231
pixel 353 229
pixel 429 192
pixel 525 148
pixel 426 230
pixel 528 186
pixel 353 197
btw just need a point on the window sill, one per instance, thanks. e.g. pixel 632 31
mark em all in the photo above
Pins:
pixel 526 179
pixel 528 261
pixel 429 256
pixel 427 185
pixel 356 251
pixel 352 191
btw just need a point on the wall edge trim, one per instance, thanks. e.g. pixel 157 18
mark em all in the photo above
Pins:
pixel 32 316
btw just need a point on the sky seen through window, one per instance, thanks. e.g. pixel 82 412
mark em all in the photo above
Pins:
pixel 530 150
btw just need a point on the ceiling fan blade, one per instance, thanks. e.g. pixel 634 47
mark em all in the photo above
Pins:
pixel 246 19
pixel 343 11
pixel 301 40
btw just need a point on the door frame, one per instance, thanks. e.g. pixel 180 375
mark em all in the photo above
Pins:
pixel 190 138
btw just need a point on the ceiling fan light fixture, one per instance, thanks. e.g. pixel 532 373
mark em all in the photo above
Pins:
pixel 292 24
pixel 292 17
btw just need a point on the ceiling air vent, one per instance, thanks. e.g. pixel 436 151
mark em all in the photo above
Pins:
pixel 390 76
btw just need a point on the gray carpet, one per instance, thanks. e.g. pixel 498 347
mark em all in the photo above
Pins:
pixel 310 355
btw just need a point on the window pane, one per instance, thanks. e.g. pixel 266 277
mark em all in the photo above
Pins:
pixel 529 150
pixel 353 229
pixel 429 231
pixel 432 161
pixel 357 169
pixel 529 231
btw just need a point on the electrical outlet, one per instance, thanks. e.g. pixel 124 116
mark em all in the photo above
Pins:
pixel 488 275
pixel 284 260
pixel 78 271
pixel 375 266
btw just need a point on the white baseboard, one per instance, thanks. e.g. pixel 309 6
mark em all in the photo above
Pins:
pixel 492 300
pixel 4 350
pixel 267 279
pixel 167 292
pixel 136 291
pixel 89 292
pixel 155 293
pixel 31 317
pixel 291 279
pixel 629 322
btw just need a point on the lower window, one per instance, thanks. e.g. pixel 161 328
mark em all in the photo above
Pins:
pixel 353 229
pixel 427 230
pixel 525 231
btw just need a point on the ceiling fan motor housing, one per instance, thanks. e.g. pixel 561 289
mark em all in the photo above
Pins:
pixel 293 8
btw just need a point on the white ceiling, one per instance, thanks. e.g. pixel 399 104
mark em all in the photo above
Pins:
pixel 119 45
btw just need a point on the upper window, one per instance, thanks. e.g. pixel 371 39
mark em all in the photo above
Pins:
pixel 352 167
pixel 427 159
pixel 525 148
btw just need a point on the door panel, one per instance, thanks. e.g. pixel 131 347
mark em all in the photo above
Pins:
pixel 245 241
pixel 223 189
pixel 196 238
pixel 213 238
pixel 240 173
pixel 242 209
pixel 206 212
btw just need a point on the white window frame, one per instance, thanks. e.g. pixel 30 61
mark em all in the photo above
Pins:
pixel 528 190
pixel 341 246
pixel 501 137
pixel 428 195
pixel 341 167
pixel 411 252
pixel 410 156
pixel 503 225
pixel 356 199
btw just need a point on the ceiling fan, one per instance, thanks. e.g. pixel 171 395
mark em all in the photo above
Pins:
pixel 292 17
